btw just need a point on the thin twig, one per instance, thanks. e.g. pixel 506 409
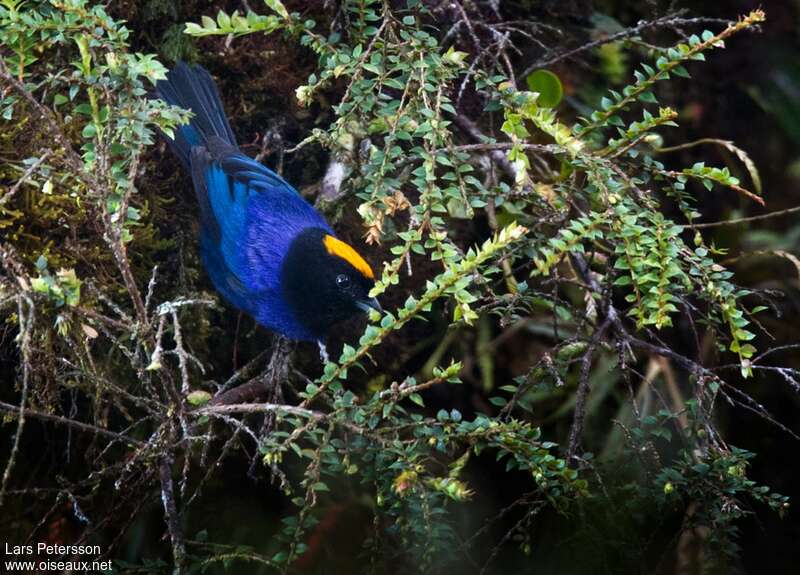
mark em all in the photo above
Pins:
pixel 171 514
pixel 14 411
pixel 25 318
pixel 576 430
pixel 668 21
pixel 33 167
pixel 737 221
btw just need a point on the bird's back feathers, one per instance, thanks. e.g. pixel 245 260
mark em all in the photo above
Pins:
pixel 249 214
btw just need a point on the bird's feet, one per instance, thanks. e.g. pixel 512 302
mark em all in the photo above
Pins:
pixel 323 352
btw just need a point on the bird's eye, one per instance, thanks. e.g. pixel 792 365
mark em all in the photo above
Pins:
pixel 343 281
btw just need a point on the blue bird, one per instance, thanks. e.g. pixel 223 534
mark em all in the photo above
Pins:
pixel 266 249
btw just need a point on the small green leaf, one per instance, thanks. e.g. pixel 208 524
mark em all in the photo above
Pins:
pixel 547 85
pixel 648 97
pixel 278 7
pixel 198 398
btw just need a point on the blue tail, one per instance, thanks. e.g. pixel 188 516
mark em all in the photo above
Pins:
pixel 192 88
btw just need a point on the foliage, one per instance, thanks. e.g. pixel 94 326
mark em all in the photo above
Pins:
pixel 584 239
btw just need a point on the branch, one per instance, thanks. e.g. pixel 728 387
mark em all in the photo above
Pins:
pixel 245 393
pixel 25 320
pixel 27 174
pixel 496 154
pixel 259 408
pixel 266 385
pixel 171 514
pixel 14 411
pixel 576 430
pixel 736 221
pixel 669 21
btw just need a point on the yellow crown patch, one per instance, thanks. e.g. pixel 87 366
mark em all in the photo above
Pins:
pixel 340 249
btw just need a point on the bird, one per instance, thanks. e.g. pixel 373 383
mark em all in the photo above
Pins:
pixel 267 251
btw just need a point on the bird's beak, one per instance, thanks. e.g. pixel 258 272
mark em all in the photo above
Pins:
pixel 369 304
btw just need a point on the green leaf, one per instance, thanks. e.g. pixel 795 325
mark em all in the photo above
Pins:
pixel 198 398
pixel 89 131
pixel 648 97
pixel 208 23
pixel 277 7
pixel 547 85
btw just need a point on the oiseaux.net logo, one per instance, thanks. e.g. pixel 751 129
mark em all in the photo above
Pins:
pixel 44 557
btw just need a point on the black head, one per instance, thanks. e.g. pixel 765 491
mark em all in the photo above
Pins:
pixel 325 281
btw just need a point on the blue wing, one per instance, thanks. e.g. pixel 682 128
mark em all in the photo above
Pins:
pixel 249 217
